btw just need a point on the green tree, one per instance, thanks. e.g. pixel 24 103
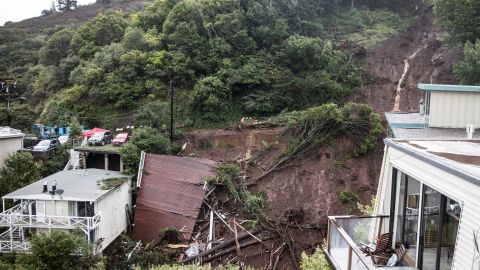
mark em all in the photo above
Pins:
pixel 54 251
pixel 75 128
pixel 98 32
pixel 66 5
pixel 56 47
pixel 468 70
pixel 315 261
pixel 212 99
pixel 459 18
pixel 19 170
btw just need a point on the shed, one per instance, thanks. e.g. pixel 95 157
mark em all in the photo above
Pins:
pixel 11 140
pixel 171 194
pixel 452 106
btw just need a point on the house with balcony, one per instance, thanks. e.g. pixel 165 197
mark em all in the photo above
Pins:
pixel 428 198
pixel 96 202
pixel 11 140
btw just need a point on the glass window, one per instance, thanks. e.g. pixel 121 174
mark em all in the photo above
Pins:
pixel 431 226
pixel 407 216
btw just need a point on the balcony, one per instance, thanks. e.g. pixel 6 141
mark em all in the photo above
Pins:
pixel 14 217
pixel 347 233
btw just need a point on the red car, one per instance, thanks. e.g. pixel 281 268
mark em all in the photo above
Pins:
pixel 120 139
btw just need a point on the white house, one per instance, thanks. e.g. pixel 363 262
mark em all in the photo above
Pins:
pixel 11 140
pixel 95 201
pixel 429 198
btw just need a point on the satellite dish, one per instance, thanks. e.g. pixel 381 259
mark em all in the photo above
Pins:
pixel 59 192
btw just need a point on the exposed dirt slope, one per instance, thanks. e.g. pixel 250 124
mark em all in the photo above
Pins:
pixel 307 192
pixel 429 62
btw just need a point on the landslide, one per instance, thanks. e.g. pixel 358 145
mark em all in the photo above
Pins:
pixel 433 63
pixel 305 193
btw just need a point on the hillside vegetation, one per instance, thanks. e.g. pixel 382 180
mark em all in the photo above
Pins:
pixel 224 59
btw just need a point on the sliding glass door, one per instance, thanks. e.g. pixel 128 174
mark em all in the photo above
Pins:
pixel 407 216
pixel 425 222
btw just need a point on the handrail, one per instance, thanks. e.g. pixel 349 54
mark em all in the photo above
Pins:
pixel 47 221
pixel 335 224
pixel 350 242
pixel 140 169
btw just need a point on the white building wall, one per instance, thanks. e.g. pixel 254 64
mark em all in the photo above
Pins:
pixel 56 208
pixel 114 217
pixel 9 146
pixel 454 109
pixel 450 185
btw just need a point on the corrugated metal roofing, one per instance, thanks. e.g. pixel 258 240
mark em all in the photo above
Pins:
pixel 171 194
pixel 446 87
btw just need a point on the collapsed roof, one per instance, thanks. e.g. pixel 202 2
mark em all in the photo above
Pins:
pixel 171 194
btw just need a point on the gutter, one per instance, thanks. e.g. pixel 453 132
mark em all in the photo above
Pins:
pixel 465 176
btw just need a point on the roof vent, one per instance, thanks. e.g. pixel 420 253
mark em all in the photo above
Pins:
pixel 470 131
pixel 45 187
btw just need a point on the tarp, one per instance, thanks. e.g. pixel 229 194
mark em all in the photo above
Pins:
pixel 92 131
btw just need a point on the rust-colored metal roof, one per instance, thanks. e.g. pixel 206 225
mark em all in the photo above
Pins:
pixel 171 194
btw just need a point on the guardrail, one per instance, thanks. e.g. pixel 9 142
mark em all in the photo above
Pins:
pixel 345 235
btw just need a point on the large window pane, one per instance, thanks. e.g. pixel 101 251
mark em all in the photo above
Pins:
pixel 411 218
pixel 449 233
pixel 431 225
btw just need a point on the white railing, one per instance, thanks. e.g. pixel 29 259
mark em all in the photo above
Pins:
pixel 14 246
pixel 140 169
pixel 49 222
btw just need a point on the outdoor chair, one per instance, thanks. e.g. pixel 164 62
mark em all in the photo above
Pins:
pixel 392 260
pixel 382 245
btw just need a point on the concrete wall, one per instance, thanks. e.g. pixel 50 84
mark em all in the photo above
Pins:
pixel 449 185
pixel 8 146
pixel 114 217
pixel 454 109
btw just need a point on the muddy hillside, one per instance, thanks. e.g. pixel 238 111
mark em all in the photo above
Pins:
pixel 400 63
pixel 302 195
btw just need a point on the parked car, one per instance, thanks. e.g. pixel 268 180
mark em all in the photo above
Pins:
pixel 100 138
pixel 120 139
pixel 45 145
pixel 63 139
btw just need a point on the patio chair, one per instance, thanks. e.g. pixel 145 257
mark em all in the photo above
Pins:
pixel 382 246
pixel 392 260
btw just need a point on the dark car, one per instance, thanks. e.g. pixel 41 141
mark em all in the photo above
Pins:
pixel 100 138
pixel 120 139
pixel 45 145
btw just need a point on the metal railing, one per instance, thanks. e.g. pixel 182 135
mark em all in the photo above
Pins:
pixel 346 234
pixel 140 169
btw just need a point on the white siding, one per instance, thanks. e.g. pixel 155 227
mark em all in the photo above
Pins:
pixel 454 109
pixel 114 217
pixel 452 186
pixel 56 208
pixel 8 146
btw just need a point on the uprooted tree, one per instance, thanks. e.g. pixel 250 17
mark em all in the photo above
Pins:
pixel 316 126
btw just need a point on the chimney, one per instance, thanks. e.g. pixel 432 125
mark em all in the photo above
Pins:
pixel 54 185
pixel 422 107
pixel 470 131
pixel 45 187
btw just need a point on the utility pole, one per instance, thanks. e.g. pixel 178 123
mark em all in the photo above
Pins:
pixel 8 98
pixel 171 111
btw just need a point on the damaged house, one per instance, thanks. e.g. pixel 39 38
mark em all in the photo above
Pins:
pixel 171 193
